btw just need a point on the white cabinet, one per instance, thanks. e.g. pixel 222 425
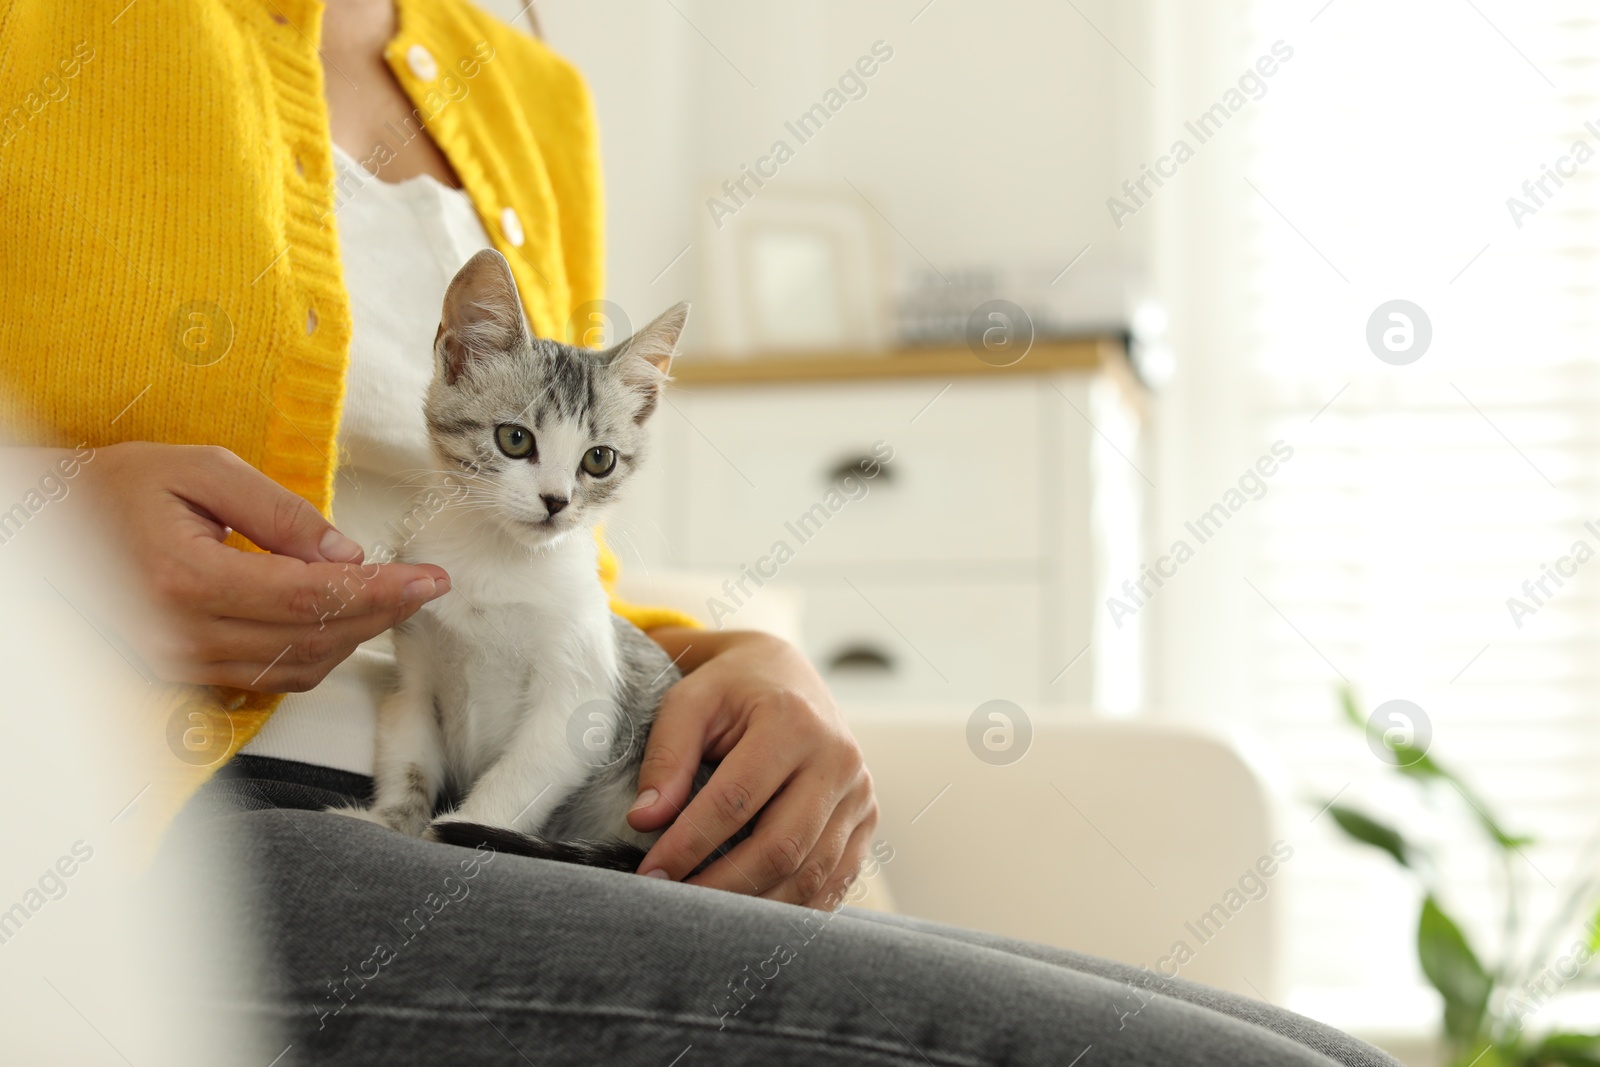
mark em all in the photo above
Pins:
pixel 962 485
pixel 968 567
pixel 930 640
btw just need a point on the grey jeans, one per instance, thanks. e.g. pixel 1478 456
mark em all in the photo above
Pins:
pixel 384 949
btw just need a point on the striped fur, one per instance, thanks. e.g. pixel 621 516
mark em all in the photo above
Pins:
pixel 505 682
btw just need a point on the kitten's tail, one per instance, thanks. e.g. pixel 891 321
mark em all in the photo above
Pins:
pixel 611 855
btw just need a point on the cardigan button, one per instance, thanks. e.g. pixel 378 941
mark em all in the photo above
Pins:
pixel 511 226
pixel 420 60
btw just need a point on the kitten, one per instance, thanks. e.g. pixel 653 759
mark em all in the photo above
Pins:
pixel 520 692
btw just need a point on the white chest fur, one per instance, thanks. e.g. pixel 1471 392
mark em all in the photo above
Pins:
pixel 495 672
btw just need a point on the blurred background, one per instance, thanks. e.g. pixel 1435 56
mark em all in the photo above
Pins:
pixel 1168 373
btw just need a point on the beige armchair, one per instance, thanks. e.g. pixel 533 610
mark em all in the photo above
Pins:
pixel 1133 840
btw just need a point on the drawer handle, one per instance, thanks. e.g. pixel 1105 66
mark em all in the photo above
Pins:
pixel 861 658
pixel 859 465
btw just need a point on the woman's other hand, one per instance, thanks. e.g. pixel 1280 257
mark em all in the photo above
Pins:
pixel 787 760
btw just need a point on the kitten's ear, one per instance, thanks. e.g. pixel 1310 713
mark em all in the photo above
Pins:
pixel 644 359
pixel 657 343
pixel 482 315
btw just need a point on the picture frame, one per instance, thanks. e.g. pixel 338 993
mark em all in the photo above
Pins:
pixel 796 270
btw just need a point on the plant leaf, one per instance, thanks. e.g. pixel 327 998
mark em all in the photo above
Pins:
pixel 1454 970
pixel 1486 1054
pixel 1347 702
pixel 1481 811
pixel 1370 831
pixel 1415 763
pixel 1573 1050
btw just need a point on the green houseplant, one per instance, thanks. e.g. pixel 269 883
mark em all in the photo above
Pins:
pixel 1490 1006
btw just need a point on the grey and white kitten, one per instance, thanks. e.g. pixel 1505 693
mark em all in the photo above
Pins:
pixel 520 692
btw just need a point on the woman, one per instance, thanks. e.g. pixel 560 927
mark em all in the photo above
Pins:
pixel 229 223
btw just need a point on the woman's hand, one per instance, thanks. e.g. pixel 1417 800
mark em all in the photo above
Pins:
pixel 787 760
pixel 203 612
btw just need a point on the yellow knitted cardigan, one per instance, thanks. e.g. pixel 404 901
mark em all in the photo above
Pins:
pixel 169 264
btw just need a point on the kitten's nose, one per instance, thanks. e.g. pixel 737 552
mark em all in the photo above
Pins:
pixel 554 504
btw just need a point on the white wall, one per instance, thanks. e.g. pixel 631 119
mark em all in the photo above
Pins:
pixel 993 135
pixel 1200 422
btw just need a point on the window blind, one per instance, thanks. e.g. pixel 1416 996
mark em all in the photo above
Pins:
pixel 1446 154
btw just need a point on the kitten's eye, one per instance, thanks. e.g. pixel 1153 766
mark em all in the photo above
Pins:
pixel 599 461
pixel 514 441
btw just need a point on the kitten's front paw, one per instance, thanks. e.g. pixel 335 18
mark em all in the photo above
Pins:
pixel 389 817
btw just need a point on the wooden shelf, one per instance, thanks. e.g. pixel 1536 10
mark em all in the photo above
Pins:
pixel 1046 357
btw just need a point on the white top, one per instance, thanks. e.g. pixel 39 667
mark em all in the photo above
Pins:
pixel 401 244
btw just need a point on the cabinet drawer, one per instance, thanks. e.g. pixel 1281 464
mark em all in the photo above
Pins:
pixel 951 642
pixel 764 466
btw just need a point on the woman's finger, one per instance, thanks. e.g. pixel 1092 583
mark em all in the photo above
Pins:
pixel 837 888
pixel 218 580
pixel 673 753
pixel 741 785
pixel 781 842
pixel 808 877
pixel 250 641
pixel 237 495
